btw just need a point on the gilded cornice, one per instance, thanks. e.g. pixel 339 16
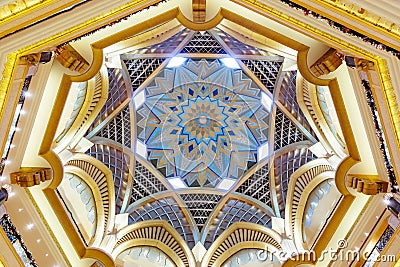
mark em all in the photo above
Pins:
pixel 360 15
pixel 20 9
pixel 6 81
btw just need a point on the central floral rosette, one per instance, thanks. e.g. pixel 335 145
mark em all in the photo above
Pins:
pixel 203 120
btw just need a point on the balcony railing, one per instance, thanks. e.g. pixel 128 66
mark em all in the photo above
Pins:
pixel 17 242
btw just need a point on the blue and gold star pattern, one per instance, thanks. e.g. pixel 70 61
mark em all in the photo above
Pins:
pixel 205 130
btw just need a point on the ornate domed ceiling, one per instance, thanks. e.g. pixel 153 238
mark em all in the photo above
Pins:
pixel 197 133
pixel 198 130
pixel 202 122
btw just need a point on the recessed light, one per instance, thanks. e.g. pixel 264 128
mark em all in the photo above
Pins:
pixel 230 63
pixel 177 183
pixel 29 226
pixel 47 254
pixel 176 62
pixel 20 209
pixel 141 149
pixel 226 184
pixel 266 101
pixel 139 99
pixel 27 94
pixel 263 151
pixel 38 240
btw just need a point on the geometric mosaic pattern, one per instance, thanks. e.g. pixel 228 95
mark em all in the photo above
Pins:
pixel 286 132
pixel 204 130
pixel 201 206
pixel 201 122
pixel 236 210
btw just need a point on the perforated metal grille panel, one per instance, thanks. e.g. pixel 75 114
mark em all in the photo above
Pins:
pixel 257 186
pixel 144 183
pixel 203 43
pixel 201 206
pixel 140 69
pixel 266 71
pixel 119 128
pixel 286 132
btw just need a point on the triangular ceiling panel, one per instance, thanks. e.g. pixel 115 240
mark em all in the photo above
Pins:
pixel 144 183
pixel 257 186
pixel 287 96
pixel 201 206
pixel 118 128
pixel 203 42
pixel 286 132
pixel 140 69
